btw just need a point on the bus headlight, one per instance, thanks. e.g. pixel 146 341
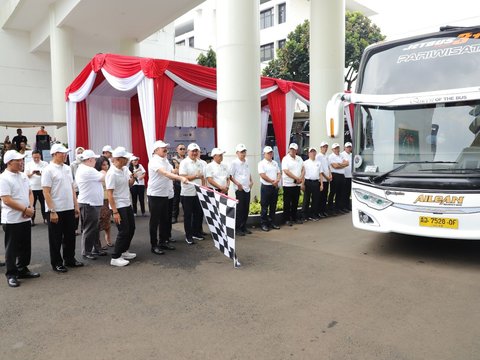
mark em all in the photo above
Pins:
pixel 372 200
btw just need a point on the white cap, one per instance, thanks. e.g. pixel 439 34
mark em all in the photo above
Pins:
pixel 335 145
pixel 217 151
pixel 323 143
pixel 12 155
pixel 193 146
pixel 267 149
pixel 240 147
pixel 58 148
pixel 159 144
pixel 312 149
pixel 88 154
pixel 293 146
pixel 347 144
pixel 121 152
pixel 107 148
pixel 133 158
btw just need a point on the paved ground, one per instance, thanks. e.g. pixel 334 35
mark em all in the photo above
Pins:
pixel 314 291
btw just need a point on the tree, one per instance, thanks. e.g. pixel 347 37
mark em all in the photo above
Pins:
pixel 209 60
pixel 293 60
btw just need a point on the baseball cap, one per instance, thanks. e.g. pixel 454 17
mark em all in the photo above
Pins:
pixel 335 145
pixel 193 146
pixel 217 151
pixel 323 143
pixel 107 148
pixel 240 147
pixel 267 149
pixel 88 154
pixel 159 144
pixel 347 144
pixel 12 155
pixel 134 158
pixel 293 146
pixel 58 148
pixel 121 152
pixel 312 149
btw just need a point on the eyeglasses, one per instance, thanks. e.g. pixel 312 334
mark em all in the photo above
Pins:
pixel 182 149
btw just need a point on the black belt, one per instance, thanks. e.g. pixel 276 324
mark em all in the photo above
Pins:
pixel 312 180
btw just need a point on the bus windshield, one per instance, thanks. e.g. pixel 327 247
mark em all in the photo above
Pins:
pixel 441 139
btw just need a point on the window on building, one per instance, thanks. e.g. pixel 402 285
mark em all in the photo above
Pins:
pixel 191 42
pixel 266 52
pixel 281 43
pixel 264 1
pixel 181 43
pixel 282 13
pixel 266 18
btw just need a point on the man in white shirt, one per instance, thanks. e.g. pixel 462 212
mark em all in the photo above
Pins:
pixel 90 201
pixel 347 188
pixel 293 173
pixel 312 185
pixel 62 207
pixel 270 176
pixel 337 167
pixel 107 152
pixel 322 158
pixel 33 169
pixel 192 169
pixel 216 172
pixel 118 181
pixel 160 188
pixel 242 180
pixel 176 160
pixel 17 210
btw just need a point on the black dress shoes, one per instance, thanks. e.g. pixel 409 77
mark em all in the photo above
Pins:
pixel 99 253
pixel 265 228
pixel 240 233
pixel 166 247
pixel 73 263
pixel 248 232
pixel 157 251
pixel 27 274
pixel 2 263
pixel 13 282
pixel 288 223
pixel 274 226
pixel 60 269
pixel 174 220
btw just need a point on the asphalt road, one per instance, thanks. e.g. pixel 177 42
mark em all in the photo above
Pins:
pixel 314 291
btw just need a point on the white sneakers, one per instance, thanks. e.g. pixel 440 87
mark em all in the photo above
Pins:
pixel 128 255
pixel 119 262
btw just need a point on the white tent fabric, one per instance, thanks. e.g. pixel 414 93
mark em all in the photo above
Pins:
pixel 264 123
pixel 290 112
pixel 192 88
pixel 146 99
pixel 183 114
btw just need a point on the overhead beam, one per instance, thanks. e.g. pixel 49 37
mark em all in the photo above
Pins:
pixel 7 12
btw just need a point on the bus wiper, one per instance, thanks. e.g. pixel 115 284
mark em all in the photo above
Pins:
pixel 382 177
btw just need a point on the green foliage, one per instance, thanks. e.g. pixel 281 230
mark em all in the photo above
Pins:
pixel 209 60
pixel 255 206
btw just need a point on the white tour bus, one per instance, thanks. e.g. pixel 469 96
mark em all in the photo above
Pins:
pixel 416 167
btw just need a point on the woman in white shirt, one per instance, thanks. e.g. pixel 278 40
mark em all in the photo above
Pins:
pixel 138 188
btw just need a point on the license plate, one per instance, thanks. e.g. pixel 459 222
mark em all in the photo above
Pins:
pixel 448 223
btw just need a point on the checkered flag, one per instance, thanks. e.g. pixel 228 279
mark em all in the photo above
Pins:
pixel 219 211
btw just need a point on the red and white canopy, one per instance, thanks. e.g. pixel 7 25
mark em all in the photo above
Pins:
pixel 122 100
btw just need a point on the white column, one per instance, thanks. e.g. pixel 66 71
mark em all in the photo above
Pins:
pixel 327 61
pixel 63 71
pixel 238 80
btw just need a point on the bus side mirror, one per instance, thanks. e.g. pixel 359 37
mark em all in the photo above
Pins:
pixel 334 114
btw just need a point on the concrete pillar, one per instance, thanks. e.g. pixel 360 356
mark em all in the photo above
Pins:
pixel 327 62
pixel 63 70
pixel 238 80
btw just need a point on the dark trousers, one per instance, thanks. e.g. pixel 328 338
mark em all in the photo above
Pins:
pixel 268 202
pixel 126 230
pixel 61 235
pixel 38 195
pixel 336 191
pixel 138 194
pixel 18 247
pixel 311 198
pixel 347 192
pixel 91 233
pixel 170 212
pixel 290 202
pixel 177 187
pixel 243 208
pixel 193 216
pixel 160 222
pixel 322 206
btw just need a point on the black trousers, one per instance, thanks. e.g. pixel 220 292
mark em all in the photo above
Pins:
pixel 322 204
pixel 347 192
pixel 177 187
pixel 311 198
pixel 126 230
pixel 170 212
pixel 38 195
pixel 61 236
pixel 193 216
pixel 290 202
pixel 268 202
pixel 243 208
pixel 18 247
pixel 138 195
pixel 336 191
pixel 160 221
pixel 91 233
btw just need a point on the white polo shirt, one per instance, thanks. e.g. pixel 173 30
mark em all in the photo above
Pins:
pixel 90 188
pixel 294 165
pixel 158 184
pixel 335 159
pixel 270 169
pixel 323 160
pixel 117 180
pixel 60 181
pixel 190 167
pixel 35 180
pixel 313 168
pixel 15 185
pixel 218 172
pixel 348 169
pixel 240 171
